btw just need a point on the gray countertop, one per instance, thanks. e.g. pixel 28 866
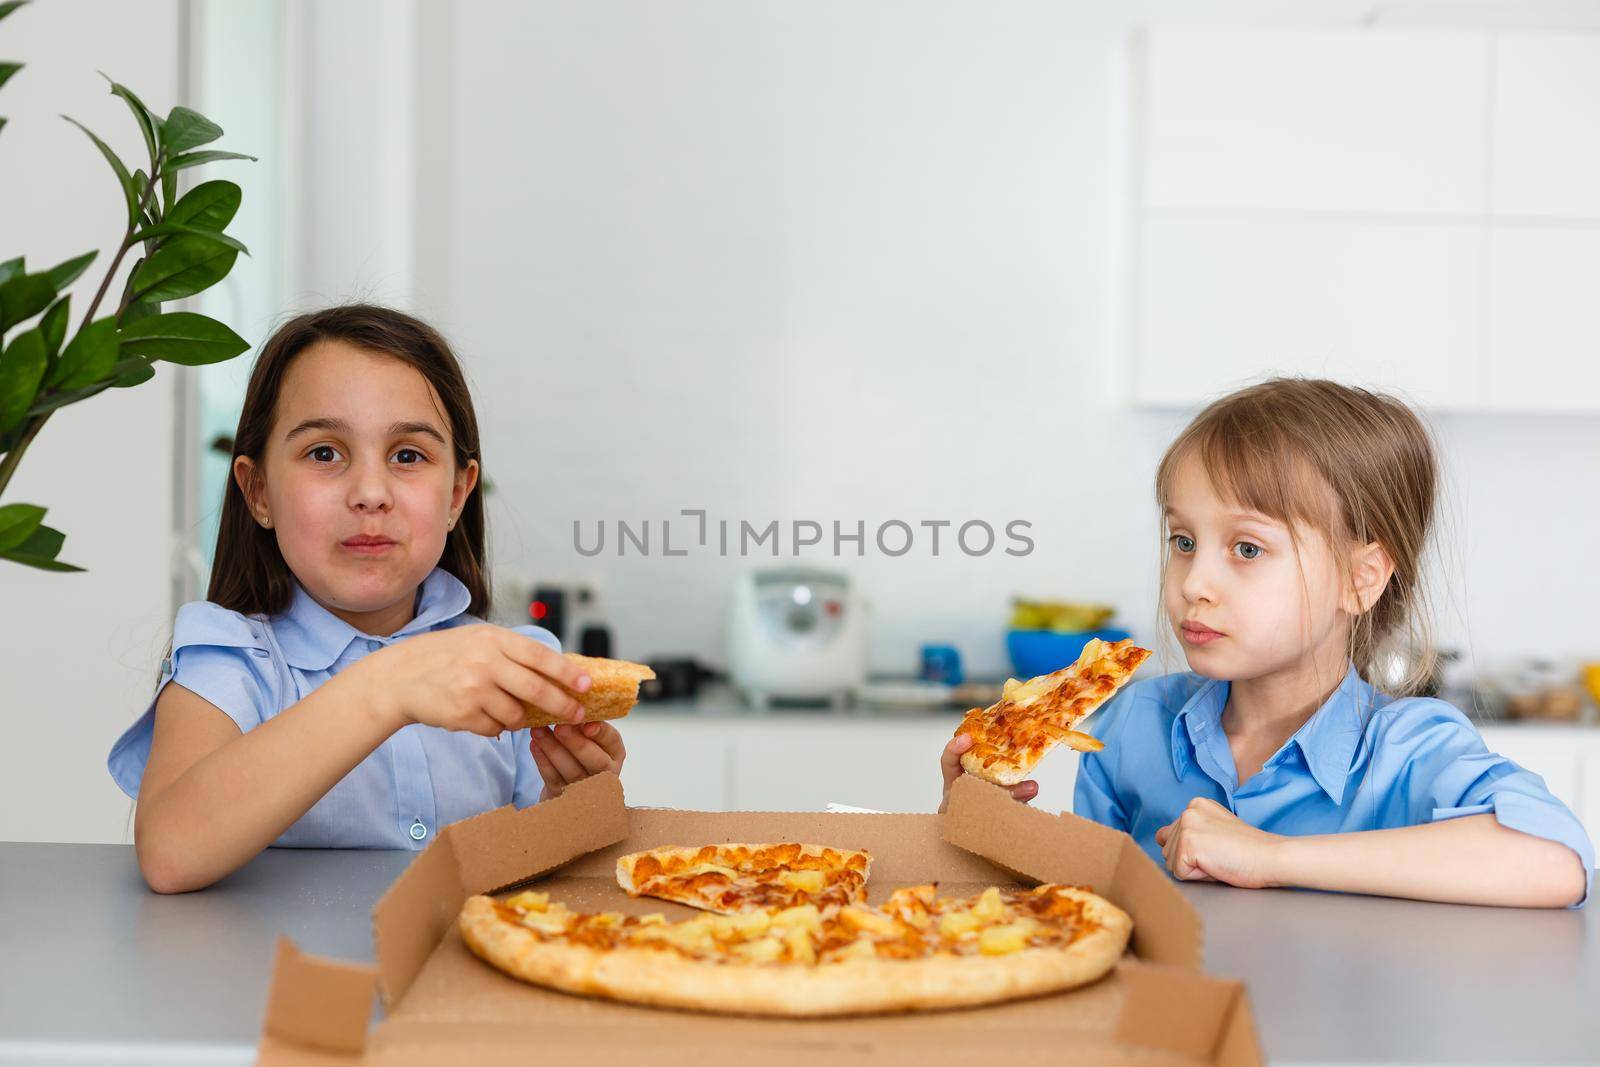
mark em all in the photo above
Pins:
pixel 95 968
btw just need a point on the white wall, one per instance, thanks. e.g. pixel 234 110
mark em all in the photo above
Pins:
pixel 78 652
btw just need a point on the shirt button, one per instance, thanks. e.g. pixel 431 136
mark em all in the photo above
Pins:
pixel 373 645
pixel 418 831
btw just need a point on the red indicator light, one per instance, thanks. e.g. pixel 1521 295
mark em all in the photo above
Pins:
pixel 538 610
pixel 832 607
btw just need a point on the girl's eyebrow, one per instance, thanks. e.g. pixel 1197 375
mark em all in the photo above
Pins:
pixel 396 429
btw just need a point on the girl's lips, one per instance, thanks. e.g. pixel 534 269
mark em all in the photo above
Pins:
pixel 368 546
pixel 1196 634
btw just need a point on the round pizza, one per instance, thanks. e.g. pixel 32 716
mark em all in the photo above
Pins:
pixel 917 951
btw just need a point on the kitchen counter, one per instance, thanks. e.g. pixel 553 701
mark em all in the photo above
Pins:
pixel 94 968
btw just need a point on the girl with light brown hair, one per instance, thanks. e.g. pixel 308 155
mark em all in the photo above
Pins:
pixel 1297 514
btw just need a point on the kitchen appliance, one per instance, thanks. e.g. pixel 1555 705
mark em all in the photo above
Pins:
pixel 677 678
pixel 797 634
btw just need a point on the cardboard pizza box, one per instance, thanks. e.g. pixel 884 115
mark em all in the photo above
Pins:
pixel 441 1004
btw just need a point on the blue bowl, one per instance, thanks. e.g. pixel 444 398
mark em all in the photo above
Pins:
pixel 1035 652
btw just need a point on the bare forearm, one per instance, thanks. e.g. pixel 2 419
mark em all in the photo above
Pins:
pixel 1471 860
pixel 237 800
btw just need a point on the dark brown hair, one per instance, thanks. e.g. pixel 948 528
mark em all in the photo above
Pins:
pixel 1355 466
pixel 249 574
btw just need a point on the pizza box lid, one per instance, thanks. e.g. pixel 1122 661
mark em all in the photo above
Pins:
pixel 441 1003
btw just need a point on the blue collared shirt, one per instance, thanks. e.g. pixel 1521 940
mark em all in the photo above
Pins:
pixel 253 667
pixel 1364 761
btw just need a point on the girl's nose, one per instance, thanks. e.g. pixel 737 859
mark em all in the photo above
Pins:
pixel 369 488
pixel 1197 583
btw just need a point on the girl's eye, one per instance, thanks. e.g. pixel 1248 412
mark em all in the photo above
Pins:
pixel 1182 542
pixel 324 454
pixel 408 456
pixel 1247 550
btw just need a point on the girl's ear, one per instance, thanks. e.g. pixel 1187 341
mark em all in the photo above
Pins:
pixel 254 488
pixel 1370 571
pixel 466 480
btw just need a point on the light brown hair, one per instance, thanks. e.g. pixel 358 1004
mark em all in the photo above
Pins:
pixel 249 573
pixel 1355 466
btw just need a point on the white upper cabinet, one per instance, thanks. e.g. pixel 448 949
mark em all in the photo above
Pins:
pixel 1409 209
pixel 1546 125
pixel 1230 300
pixel 1544 319
pixel 1315 120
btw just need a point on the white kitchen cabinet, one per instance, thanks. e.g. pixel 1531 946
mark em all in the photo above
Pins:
pixel 676 761
pixel 1554 753
pixel 1315 120
pixel 1409 209
pixel 802 761
pixel 1546 125
pixel 1589 779
pixel 886 765
pixel 1543 349
pixel 1226 301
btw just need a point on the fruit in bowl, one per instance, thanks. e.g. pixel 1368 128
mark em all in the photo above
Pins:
pixel 1062 616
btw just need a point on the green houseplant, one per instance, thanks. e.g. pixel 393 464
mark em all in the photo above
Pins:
pixel 177 248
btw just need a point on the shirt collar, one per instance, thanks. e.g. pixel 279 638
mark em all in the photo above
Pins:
pixel 1327 741
pixel 1329 738
pixel 313 638
pixel 1200 715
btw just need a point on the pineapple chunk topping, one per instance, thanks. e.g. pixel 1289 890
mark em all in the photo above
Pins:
pixel 1000 940
pixel 806 881
pixel 528 900
pixel 989 907
pixel 867 921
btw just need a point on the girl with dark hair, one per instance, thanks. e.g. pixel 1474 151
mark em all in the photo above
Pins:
pixel 337 687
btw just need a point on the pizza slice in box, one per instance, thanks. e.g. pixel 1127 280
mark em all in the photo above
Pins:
pixel 734 878
pixel 1011 736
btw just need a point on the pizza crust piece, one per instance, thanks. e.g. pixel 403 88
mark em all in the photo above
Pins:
pixel 613 691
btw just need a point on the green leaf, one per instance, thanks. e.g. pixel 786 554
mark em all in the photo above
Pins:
pixel 10 269
pixel 24 297
pixel 194 159
pixel 88 358
pixel 64 274
pixel 132 372
pixel 40 550
pixel 182 267
pixel 9 6
pixel 8 69
pixel 170 229
pixel 51 401
pixel 17 523
pixel 149 121
pixel 53 328
pixel 208 206
pixel 21 370
pixel 186 129
pixel 169 187
pixel 124 179
pixel 139 309
pixel 182 337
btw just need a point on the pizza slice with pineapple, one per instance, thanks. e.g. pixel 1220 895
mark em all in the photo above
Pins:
pixel 734 878
pixel 1012 735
